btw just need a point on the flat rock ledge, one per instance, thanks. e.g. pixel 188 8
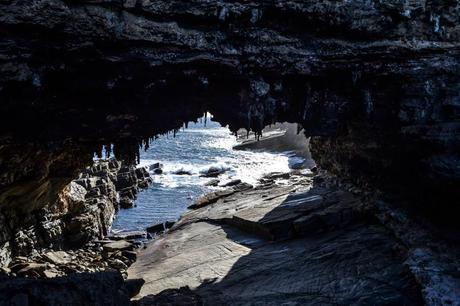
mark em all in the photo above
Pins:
pixel 299 240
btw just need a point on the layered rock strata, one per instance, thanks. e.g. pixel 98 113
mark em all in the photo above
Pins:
pixel 378 82
pixel 307 241
pixel 83 212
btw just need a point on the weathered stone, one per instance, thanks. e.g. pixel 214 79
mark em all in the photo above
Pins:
pixel 50 274
pixel 57 257
pixel 121 245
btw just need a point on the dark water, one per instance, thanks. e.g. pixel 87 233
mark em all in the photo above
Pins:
pixel 195 149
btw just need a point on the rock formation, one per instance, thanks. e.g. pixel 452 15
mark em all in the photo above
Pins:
pixel 84 211
pixel 377 81
pixel 315 241
pixel 374 83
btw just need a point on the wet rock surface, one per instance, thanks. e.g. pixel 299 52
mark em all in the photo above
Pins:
pixel 307 241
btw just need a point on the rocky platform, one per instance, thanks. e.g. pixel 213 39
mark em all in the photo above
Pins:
pixel 300 240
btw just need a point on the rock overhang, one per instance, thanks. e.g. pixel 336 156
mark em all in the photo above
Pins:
pixel 376 81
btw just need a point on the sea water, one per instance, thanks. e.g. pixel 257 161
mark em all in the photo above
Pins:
pixel 194 150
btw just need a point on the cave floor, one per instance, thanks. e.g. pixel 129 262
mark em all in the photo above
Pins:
pixel 297 241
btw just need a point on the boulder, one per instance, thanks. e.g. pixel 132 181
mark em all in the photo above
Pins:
pixel 213 183
pixel 213 172
pixel 156 166
pixel 158 171
pixel 182 172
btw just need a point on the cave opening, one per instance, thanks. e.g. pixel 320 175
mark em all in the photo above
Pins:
pixel 372 85
pixel 204 157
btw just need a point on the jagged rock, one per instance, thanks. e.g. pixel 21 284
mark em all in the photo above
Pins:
pixel 83 212
pixel 126 202
pixel 5 254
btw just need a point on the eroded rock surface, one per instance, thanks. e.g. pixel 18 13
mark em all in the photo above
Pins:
pixel 305 242
pixel 83 212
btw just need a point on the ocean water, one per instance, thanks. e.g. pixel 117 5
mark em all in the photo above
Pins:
pixel 195 149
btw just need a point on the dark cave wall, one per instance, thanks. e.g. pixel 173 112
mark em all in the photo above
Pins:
pixel 374 83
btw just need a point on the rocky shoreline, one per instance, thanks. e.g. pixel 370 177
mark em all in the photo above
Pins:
pixel 68 239
pixel 299 238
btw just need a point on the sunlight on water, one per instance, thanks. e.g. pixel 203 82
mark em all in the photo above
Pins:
pixel 194 151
